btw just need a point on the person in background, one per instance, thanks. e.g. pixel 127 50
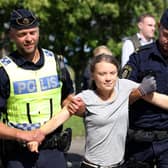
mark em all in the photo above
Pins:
pixel 105 115
pixel 148 136
pixel 102 49
pixel 71 72
pixel 146 26
pixel 30 93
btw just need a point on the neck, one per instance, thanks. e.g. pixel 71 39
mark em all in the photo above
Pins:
pixel 32 57
pixel 144 38
pixel 36 56
pixel 105 95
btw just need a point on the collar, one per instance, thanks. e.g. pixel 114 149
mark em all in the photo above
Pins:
pixel 22 62
pixel 142 40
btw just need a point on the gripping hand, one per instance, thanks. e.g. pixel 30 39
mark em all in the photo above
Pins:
pixel 147 85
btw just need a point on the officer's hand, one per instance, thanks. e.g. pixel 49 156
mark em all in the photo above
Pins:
pixel 27 136
pixel 148 85
pixel 38 135
pixel 33 146
pixel 76 106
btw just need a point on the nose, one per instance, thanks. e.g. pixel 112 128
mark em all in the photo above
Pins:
pixel 28 38
pixel 108 77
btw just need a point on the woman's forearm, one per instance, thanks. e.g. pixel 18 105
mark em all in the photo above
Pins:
pixel 55 121
pixel 157 99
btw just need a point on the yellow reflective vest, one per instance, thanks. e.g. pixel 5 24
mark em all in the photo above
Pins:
pixel 35 95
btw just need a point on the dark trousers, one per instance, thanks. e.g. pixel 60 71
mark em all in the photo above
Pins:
pixel 49 158
pixel 153 153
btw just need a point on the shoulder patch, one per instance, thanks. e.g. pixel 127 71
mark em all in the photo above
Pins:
pixel 126 71
pixel 5 61
pixel 48 52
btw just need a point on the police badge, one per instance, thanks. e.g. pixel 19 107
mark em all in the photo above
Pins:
pixel 126 71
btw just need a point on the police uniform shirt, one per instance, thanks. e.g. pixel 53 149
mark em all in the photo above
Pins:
pixel 67 87
pixel 148 61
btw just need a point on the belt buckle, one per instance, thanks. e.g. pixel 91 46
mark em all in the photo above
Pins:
pixel 91 164
pixel 99 166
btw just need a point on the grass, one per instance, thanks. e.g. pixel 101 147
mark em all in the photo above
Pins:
pixel 76 123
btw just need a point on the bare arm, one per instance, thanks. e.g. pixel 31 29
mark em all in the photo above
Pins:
pixel 71 108
pixel 55 121
pixel 157 99
pixel 20 135
pixel 50 126
pixel 8 132
pixel 75 106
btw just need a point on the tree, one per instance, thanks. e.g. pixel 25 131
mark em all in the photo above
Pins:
pixel 75 27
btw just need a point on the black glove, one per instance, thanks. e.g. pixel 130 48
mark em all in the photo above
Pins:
pixel 147 85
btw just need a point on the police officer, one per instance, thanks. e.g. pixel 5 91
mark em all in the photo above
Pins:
pixel 30 92
pixel 145 35
pixel 148 136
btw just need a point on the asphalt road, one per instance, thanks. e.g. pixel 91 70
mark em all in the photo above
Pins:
pixel 76 152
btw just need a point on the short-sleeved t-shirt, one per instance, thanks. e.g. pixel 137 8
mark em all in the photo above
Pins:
pixel 106 124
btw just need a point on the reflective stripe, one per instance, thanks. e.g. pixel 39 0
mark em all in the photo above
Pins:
pixel 25 126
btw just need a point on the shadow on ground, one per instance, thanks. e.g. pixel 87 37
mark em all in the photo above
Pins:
pixel 74 160
pixel 76 152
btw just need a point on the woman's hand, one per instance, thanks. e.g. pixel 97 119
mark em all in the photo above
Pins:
pixel 33 146
pixel 76 106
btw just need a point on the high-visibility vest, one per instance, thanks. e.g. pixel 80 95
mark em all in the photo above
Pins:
pixel 35 95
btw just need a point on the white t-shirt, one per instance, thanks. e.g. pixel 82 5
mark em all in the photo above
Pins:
pixel 106 124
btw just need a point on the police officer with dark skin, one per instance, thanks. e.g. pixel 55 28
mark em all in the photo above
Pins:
pixel 148 134
pixel 31 92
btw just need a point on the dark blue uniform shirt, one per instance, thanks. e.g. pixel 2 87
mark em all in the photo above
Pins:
pixel 148 61
pixel 67 87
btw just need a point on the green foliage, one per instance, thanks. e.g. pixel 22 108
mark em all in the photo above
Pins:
pixel 76 27
pixel 76 123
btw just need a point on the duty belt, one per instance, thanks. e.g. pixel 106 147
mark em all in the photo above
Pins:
pixel 92 165
pixel 147 136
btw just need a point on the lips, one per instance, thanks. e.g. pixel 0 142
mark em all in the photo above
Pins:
pixel 29 46
pixel 108 84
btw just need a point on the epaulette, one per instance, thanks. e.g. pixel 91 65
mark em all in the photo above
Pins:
pixel 48 52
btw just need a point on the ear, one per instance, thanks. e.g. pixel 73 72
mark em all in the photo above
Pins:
pixel 140 25
pixel 11 35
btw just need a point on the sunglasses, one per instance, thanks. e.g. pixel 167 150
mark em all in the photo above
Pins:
pixel 26 21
